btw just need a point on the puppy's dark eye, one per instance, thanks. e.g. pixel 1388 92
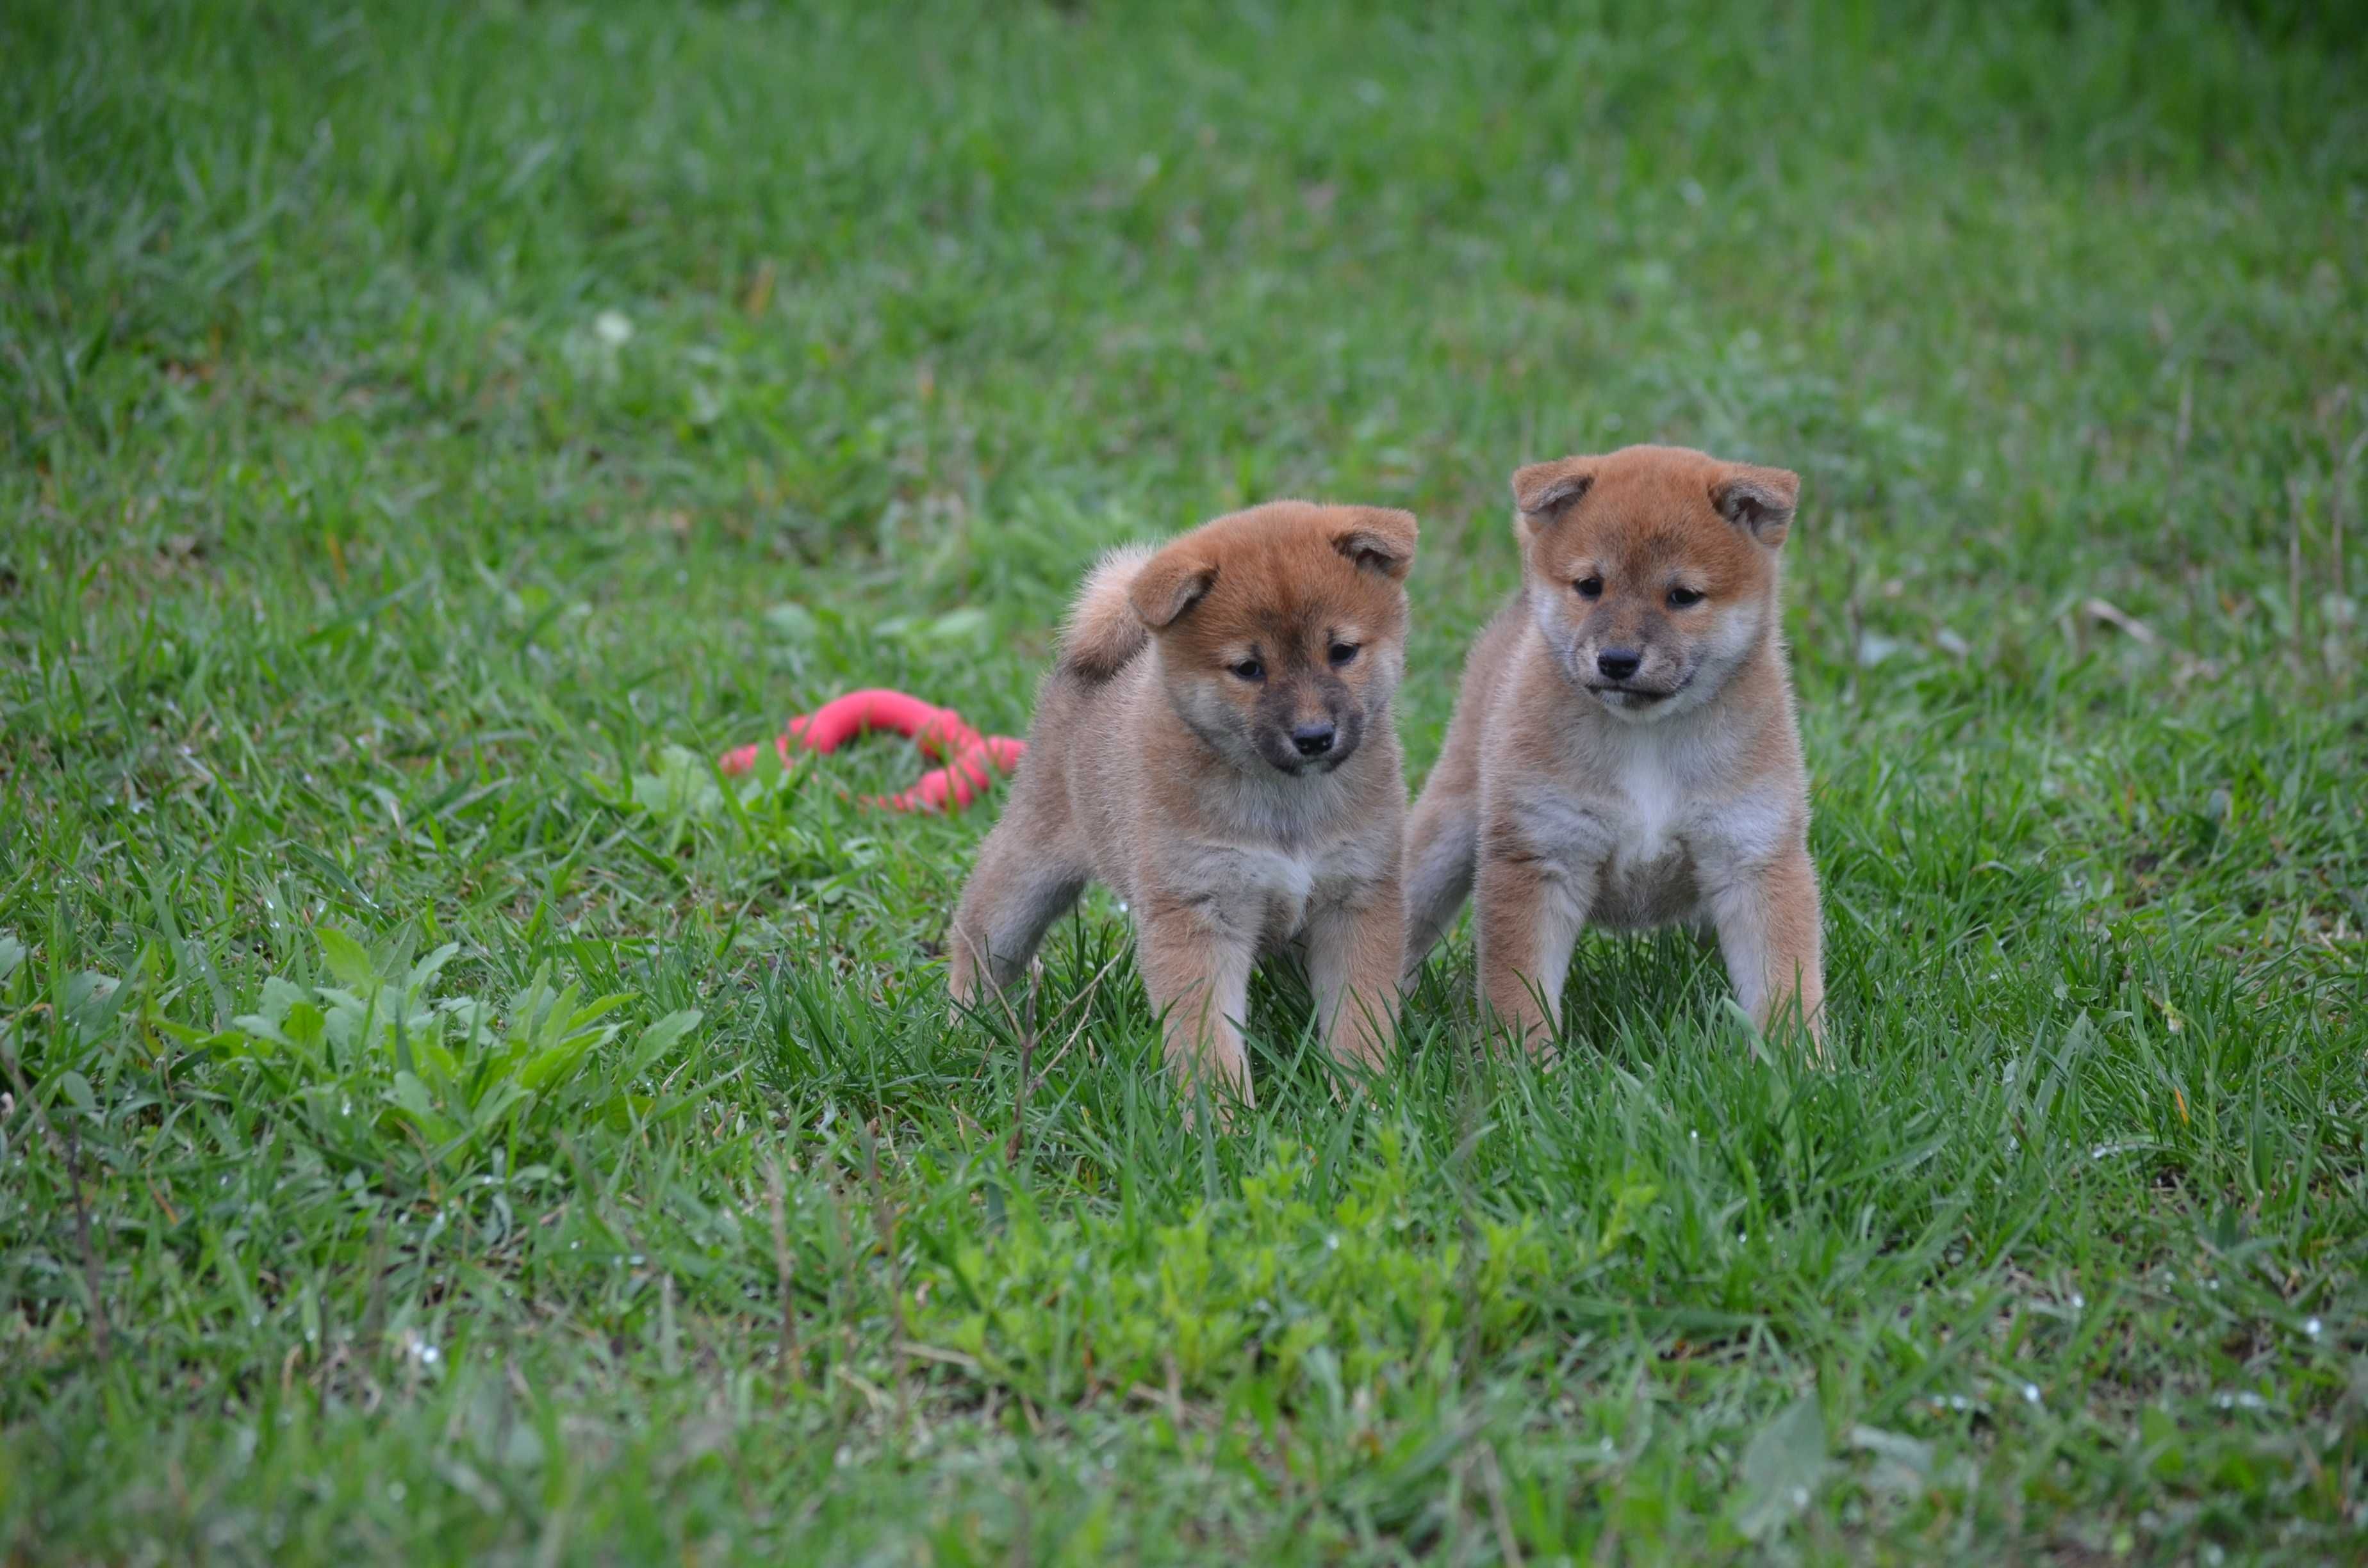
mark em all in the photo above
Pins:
pixel 1590 587
pixel 1684 598
pixel 1250 669
pixel 1343 653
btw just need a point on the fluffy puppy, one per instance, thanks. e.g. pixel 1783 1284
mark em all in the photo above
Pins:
pixel 1623 750
pixel 1215 745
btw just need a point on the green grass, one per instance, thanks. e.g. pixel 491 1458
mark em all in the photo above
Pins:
pixel 419 418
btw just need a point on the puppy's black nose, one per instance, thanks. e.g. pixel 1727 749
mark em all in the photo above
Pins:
pixel 1312 740
pixel 1618 664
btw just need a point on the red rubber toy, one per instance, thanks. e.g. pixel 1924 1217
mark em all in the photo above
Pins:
pixel 971 760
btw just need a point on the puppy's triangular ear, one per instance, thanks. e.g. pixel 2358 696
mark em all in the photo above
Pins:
pixel 1759 501
pixel 1380 538
pixel 1171 582
pixel 1546 491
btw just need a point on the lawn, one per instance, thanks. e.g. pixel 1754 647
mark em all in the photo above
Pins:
pixel 444 1120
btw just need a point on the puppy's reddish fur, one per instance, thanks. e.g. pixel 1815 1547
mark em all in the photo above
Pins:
pixel 1624 750
pixel 1169 760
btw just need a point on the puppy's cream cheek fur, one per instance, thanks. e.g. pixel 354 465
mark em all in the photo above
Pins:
pixel 1202 704
pixel 1381 685
pixel 1555 625
pixel 1736 635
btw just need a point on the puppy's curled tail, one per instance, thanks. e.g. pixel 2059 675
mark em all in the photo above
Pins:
pixel 1103 632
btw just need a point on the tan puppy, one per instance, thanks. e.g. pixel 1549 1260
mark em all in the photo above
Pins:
pixel 1623 750
pixel 1217 745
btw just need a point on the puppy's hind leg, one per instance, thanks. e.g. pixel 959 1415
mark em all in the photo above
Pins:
pixel 1019 889
pixel 1442 836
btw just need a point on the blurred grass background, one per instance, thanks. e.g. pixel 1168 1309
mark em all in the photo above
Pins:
pixel 420 418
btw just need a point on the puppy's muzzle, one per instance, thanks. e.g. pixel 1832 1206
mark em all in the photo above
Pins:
pixel 1318 746
pixel 1612 680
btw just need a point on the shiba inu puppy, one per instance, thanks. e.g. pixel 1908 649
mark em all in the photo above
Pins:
pixel 1217 745
pixel 1623 750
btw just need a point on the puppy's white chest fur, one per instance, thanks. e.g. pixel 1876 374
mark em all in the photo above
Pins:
pixel 1281 881
pixel 1650 798
pixel 1260 892
pixel 1299 849
pixel 1621 821
pixel 1647 875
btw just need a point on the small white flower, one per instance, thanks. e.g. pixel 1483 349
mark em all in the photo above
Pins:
pixel 612 327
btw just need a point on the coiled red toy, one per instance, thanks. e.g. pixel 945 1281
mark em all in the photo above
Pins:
pixel 971 760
